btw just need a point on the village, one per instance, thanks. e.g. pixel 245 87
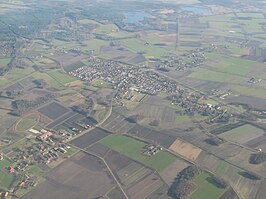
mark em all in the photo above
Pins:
pixel 124 77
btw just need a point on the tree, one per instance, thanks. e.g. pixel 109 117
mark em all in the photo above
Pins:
pixel 257 158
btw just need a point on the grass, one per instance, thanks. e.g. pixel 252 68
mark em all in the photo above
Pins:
pixel 6 179
pixel 214 76
pixel 221 167
pixel 134 148
pixel 35 170
pixel 249 91
pixel 14 75
pixel 26 124
pixel 136 45
pixel 182 118
pixel 206 190
pixel 61 77
pixel 4 61
pixel 49 80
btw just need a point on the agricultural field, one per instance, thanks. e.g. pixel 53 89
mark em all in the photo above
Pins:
pixel 134 149
pixel 185 149
pixel 206 189
pixel 243 134
pixel 6 179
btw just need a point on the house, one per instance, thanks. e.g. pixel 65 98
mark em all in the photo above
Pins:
pixel 45 135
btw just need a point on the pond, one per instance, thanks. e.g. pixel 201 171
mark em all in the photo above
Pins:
pixel 135 17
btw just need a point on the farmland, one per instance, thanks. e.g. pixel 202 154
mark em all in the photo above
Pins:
pixel 133 148
pixel 205 188
pixel 243 133
pixel 116 99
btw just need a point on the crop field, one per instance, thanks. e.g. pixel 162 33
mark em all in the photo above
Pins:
pixel 131 174
pixel 53 110
pixel 134 149
pixel 72 177
pixel 90 138
pixel 243 134
pixel 205 188
pixel 185 149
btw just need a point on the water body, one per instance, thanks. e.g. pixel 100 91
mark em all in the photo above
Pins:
pixel 197 10
pixel 135 17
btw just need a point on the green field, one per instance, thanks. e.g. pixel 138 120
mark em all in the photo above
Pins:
pixel 61 77
pixel 6 179
pixel 249 91
pixel 205 189
pixel 4 61
pixel 214 76
pixel 133 149
pixel 221 168
pixel 243 133
pixel 35 170
pixel 26 124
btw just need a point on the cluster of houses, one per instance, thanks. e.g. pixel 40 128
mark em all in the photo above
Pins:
pixel 190 59
pixel 190 104
pixel 124 77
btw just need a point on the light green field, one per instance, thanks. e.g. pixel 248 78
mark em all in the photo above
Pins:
pixel 6 179
pixel 14 76
pixel 206 190
pixel 105 29
pixel 221 168
pixel 182 118
pixel 238 66
pixel 48 79
pixel 35 170
pixel 149 51
pixel 88 21
pixel 134 148
pixel 61 77
pixel 248 91
pixel 26 124
pixel 214 76
pixel 4 61
pixel 243 133
pixel 250 14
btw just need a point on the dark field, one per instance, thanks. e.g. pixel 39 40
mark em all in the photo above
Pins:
pixel 89 138
pixel 254 102
pixel 53 110
pixel 61 119
pixel 151 135
pixel 82 176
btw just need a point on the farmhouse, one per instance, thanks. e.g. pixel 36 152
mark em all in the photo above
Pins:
pixel 45 135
